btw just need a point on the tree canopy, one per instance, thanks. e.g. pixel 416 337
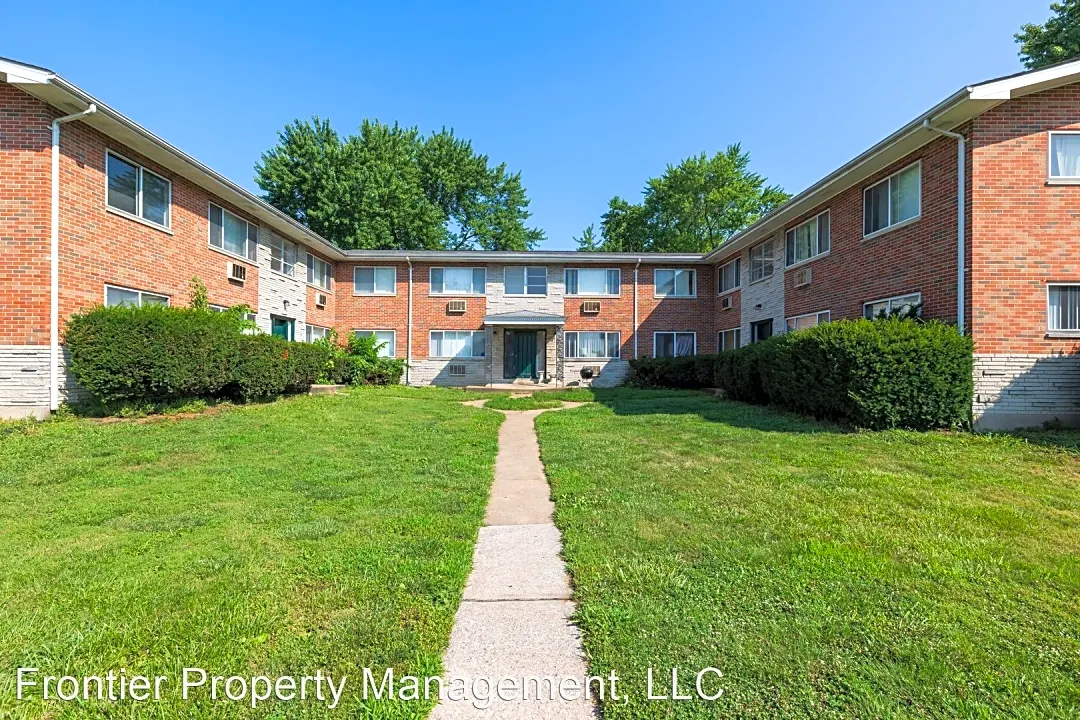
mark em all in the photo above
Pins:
pixel 1056 40
pixel 693 207
pixel 389 187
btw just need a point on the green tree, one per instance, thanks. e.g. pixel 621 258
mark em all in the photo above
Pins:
pixel 693 207
pixel 1056 40
pixel 388 187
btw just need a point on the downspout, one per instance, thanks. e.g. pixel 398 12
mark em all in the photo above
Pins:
pixel 961 212
pixel 408 326
pixel 54 259
pixel 635 307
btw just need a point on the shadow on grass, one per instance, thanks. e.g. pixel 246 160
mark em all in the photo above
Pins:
pixel 1067 440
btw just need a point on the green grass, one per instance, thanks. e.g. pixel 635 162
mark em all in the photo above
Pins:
pixel 532 402
pixel 313 533
pixel 825 573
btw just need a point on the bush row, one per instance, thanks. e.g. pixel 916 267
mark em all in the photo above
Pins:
pixel 876 374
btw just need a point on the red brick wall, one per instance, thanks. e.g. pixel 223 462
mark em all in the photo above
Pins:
pixel 615 313
pixel 372 312
pixel 1027 233
pixel 677 314
pixel 429 311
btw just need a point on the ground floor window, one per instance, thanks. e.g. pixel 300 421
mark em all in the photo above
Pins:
pixel 386 340
pixel 115 296
pixel 314 332
pixel 728 339
pixel 457 344
pixel 1063 308
pixel 249 316
pixel 899 304
pixel 809 320
pixel 674 344
pixel 591 345
pixel 760 330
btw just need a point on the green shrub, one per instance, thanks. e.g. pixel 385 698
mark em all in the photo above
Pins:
pixel 739 374
pixel 365 367
pixel 307 361
pixel 262 367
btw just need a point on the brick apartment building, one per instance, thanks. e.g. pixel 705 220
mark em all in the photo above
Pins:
pixel 96 209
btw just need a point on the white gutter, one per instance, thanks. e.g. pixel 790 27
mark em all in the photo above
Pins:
pixel 408 327
pixel 635 306
pixel 961 212
pixel 54 259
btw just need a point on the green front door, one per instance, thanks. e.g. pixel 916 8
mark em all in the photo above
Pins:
pixel 519 354
pixel 282 327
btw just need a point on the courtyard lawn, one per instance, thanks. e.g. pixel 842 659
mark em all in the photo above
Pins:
pixel 826 573
pixel 331 533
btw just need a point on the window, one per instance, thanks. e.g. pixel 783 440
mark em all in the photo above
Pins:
pixel 761 261
pixel 374 280
pixel 233 234
pixel 136 191
pixel 525 281
pixel 894 200
pixel 592 281
pixel 1064 156
pixel 729 276
pixel 728 339
pixel 674 344
pixel 809 239
pixel 320 273
pixel 386 339
pixel 456 344
pixel 760 330
pixel 314 332
pixel 888 306
pixel 1063 313
pixel 676 283
pixel 136 298
pixel 809 320
pixel 458 281
pixel 282 255
pixel 591 345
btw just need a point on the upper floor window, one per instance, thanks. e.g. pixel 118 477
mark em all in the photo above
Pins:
pixel 729 276
pixel 809 320
pixel 136 298
pixel 525 281
pixel 282 255
pixel 591 345
pixel 135 190
pixel 891 306
pixel 592 281
pixel 896 199
pixel 809 239
pixel 676 283
pixel 1063 308
pixel 1064 156
pixel 458 281
pixel 761 261
pixel 374 280
pixel 674 344
pixel 233 234
pixel 319 273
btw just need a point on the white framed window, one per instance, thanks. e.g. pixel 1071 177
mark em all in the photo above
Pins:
pixel 232 234
pixel 591 345
pixel 1063 308
pixel 728 339
pixel 315 332
pixel 1064 151
pixel 458 280
pixel 525 280
pixel 282 255
pixel 320 273
pixel 249 316
pixel 888 306
pixel 115 295
pixel 808 320
pixel 386 339
pixel 592 282
pixel 374 280
pixel 134 190
pixel 456 344
pixel 729 276
pixel 896 199
pixel 674 344
pixel 808 240
pixel 761 261
pixel 675 283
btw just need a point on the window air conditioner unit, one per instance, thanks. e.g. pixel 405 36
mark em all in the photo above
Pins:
pixel 237 272
pixel 803 277
pixel 590 307
pixel 725 303
pixel 320 300
pixel 457 370
pixel 455 306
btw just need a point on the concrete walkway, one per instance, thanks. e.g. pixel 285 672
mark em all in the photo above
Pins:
pixel 514 619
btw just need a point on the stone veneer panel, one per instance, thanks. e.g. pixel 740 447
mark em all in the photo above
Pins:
pixel 764 299
pixel 1024 390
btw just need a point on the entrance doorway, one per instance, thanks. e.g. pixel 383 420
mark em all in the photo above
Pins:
pixel 282 327
pixel 519 354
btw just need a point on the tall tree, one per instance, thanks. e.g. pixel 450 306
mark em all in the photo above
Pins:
pixel 693 207
pixel 390 187
pixel 1056 40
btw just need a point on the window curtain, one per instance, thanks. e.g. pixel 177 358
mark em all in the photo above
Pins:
pixel 1066 156
pixel 1065 307
pixel 684 344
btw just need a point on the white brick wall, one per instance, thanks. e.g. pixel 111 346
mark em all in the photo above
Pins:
pixel 768 293
pixel 612 372
pixel 435 372
pixel 24 376
pixel 497 302
pixel 275 290
pixel 1025 390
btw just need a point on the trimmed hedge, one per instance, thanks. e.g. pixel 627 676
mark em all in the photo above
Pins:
pixel 878 374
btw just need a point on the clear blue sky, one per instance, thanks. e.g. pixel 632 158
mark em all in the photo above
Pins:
pixel 586 99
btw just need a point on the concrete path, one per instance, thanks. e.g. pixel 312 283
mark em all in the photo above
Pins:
pixel 514 620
